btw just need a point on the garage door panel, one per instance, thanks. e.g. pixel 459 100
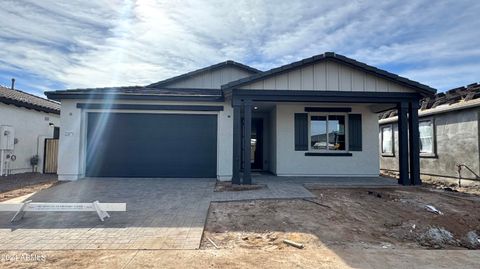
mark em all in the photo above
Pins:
pixel 151 145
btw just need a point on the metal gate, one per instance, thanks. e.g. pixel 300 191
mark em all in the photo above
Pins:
pixel 50 160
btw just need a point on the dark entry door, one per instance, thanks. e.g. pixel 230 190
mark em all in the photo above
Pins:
pixel 151 145
pixel 257 144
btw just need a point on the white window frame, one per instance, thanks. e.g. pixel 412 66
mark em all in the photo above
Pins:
pixel 326 114
pixel 432 154
pixel 392 140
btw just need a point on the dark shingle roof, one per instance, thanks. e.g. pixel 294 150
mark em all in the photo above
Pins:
pixel 450 97
pixel 155 90
pixel 138 92
pixel 426 90
pixel 23 99
pixel 168 81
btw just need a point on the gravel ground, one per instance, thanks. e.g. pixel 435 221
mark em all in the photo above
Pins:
pixel 22 184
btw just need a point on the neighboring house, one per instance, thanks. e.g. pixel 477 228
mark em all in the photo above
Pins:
pixel 314 117
pixel 31 119
pixel 449 135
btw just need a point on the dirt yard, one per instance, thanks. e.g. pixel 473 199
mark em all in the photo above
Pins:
pixel 17 185
pixel 347 218
pixel 221 186
pixel 341 228
pixel 241 258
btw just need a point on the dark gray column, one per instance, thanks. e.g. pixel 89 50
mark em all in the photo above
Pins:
pixel 237 143
pixel 247 135
pixel 414 139
pixel 403 143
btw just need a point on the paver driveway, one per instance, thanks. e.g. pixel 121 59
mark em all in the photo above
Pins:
pixel 161 214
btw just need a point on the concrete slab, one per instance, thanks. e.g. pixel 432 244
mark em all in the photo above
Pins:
pixel 330 182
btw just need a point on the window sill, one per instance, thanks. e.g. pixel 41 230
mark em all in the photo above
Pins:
pixel 336 154
pixel 428 156
pixel 388 155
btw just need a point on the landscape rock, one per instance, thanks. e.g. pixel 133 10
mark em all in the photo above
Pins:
pixel 437 238
pixel 472 240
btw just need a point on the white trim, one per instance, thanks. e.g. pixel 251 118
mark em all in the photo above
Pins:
pixel 224 177
pixel 146 111
pixel 326 114
pixel 84 127
pixel 392 142
pixel 69 177
pixel 434 138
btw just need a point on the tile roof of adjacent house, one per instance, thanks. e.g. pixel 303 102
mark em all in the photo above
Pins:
pixel 30 101
pixel 201 70
pixel 338 58
pixel 454 99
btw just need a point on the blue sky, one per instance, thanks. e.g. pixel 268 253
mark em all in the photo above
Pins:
pixel 54 45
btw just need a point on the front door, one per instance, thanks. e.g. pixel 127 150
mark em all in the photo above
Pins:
pixel 257 144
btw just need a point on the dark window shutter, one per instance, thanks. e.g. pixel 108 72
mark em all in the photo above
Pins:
pixel 301 131
pixel 355 132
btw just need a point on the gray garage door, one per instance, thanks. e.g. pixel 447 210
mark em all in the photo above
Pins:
pixel 151 145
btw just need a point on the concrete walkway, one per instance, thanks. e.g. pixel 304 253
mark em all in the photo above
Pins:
pixel 161 214
pixel 330 182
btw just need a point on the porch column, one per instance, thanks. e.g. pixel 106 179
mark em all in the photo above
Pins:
pixel 403 143
pixel 247 134
pixel 237 136
pixel 414 140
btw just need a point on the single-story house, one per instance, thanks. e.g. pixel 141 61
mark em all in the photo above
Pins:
pixel 27 120
pixel 449 136
pixel 314 117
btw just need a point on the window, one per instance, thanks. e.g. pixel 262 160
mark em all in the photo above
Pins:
pixel 327 132
pixel 56 132
pixel 426 137
pixel 387 140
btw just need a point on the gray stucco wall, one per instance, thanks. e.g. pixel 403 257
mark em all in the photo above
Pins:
pixel 457 142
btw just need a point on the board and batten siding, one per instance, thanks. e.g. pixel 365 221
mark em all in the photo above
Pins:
pixel 327 76
pixel 212 79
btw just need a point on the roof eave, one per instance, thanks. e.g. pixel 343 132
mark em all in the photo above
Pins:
pixel 122 96
pixel 27 105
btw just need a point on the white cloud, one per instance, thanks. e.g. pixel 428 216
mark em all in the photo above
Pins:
pixel 450 77
pixel 109 43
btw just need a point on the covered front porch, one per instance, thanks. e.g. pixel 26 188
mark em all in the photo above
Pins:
pixel 325 119
pixel 288 150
